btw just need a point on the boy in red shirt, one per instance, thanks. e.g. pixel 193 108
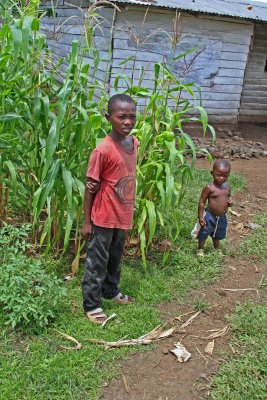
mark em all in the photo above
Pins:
pixel 108 208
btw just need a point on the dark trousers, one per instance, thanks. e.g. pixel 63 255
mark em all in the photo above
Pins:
pixel 103 266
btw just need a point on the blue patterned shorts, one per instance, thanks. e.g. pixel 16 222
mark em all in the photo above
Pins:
pixel 215 227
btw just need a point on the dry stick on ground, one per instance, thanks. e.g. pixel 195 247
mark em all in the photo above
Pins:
pixel 183 315
pixel 108 319
pixel 155 334
pixel 188 322
pixel 72 339
pixel 205 358
pixel 126 386
pixel 240 290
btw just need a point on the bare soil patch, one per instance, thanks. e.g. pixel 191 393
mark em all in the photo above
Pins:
pixel 155 375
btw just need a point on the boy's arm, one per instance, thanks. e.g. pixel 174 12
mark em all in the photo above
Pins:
pixel 230 200
pixel 201 204
pixel 91 188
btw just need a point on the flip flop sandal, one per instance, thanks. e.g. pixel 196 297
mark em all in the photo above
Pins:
pixel 96 316
pixel 123 299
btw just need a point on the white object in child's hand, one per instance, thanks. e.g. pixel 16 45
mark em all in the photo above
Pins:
pixel 196 230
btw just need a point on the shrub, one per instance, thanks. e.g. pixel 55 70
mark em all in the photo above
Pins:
pixel 28 295
pixel 13 240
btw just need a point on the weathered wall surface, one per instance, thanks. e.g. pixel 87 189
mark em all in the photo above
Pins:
pixel 254 95
pixel 218 69
pixel 70 22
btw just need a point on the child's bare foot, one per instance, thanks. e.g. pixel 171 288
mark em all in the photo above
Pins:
pixel 200 253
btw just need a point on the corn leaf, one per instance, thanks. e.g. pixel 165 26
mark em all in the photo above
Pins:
pixel 151 220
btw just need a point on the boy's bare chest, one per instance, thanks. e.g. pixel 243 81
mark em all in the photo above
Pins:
pixel 217 193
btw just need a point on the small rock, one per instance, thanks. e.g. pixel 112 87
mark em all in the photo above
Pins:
pixel 229 133
pixel 221 292
pixel 165 349
pixel 243 156
pixel 259 144
pixel 256 154
pixel 236 138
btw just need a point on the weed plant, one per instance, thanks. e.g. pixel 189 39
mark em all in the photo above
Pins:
pixel 29 296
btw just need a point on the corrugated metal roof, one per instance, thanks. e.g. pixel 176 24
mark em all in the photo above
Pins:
pixel 253 10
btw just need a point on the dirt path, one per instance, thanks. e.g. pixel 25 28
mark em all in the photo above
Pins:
pixel 158 376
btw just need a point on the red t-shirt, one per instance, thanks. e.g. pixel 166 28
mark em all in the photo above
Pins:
pixel 115 167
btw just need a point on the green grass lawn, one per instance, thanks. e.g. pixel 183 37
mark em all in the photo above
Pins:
pixel 244 377
pixel 36 367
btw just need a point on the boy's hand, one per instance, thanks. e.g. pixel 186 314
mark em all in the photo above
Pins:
pixel 202 221
pixel 93 186
pixel 87 231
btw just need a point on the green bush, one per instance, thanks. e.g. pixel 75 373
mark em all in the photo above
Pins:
pixel 28 295
pixel 13 240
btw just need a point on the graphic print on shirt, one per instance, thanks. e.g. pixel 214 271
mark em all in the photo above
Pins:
pixel 125 190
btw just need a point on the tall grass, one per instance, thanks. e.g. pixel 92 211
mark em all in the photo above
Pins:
pixel 50 122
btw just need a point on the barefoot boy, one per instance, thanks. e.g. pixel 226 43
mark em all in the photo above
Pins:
pixel 108 208
pixel 213 219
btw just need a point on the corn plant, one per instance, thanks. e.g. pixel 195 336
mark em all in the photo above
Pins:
pixel 164 170
pixel 49 124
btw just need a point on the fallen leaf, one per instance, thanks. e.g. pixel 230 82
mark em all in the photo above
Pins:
pixel 209 348
pixel 75 265
pixel 164 245
pixel 256 269
pixel 218 333
pixel 167 333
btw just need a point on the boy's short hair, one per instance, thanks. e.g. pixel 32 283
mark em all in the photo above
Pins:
pixel 122 97
pixel 222 163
